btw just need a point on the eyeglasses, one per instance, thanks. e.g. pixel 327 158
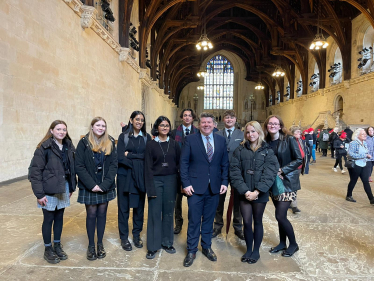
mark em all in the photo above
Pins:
pixel 139 120
pixel 164 126
pixel 273 124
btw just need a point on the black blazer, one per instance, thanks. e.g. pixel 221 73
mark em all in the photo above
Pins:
pixel 85 167
pixel 289 158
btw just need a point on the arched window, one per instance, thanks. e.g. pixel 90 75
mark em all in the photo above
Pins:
pixel 219 84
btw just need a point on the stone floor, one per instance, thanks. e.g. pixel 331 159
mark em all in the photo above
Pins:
pixel 335 238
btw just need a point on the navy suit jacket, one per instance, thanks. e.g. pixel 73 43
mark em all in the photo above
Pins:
pixel 195 168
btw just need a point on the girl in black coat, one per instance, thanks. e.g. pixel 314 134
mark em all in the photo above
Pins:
pixel 96 167
pixel 340 152
pixel 289 157
pixel 130 179
pixel 253 169
pixel 53 181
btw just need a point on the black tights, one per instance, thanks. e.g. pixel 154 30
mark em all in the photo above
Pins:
pixel 96 214
pixel 57 219
pixel 284 225
pixel 255 210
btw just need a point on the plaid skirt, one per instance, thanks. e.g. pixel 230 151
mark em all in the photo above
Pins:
pixel 58 201
pixel 93 198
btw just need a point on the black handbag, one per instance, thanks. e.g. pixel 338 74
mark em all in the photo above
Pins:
pixel 350 163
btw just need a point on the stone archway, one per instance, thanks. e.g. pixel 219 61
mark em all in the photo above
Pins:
pixel 339 105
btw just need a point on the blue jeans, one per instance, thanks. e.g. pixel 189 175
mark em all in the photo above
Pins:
pixel 314 152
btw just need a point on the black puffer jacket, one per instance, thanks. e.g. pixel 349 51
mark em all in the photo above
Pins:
pixel 85 167
pixel 250 170
pixel 289 158
pixel 337 143
pixel 49 178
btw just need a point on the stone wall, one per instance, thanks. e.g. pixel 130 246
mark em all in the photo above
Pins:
pixel 51 68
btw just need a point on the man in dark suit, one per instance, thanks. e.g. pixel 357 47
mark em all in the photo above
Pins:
pixel 233 139
pixel 179 134
pixel 204 170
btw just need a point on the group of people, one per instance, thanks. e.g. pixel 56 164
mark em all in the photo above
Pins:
pixel 259 163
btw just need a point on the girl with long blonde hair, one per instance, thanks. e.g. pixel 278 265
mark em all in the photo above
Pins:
pixel 253 170
pixel 96 167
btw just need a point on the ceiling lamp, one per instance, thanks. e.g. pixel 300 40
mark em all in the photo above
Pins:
pixel 201 73
pixel 319 42
pixel 200 88
pixel 259 86
pixel 278 72
pixel 204 42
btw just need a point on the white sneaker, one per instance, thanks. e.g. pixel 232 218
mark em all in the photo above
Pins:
pixel 343 171
pixel 335 170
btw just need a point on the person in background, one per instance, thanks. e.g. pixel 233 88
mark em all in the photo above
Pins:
pixel 215 129
pixel 349 133
pixel 317 142
pixel 359 152
pixel 52 177
pixel 233 139
pixel 289 156
pixel 161 176
pixel 340 152
pixel 96 166
pixel 186 128
pixel 131 189
pixel 324 141
pixel 304 149
pixel 333 136
pixel 314 147
pixel 253 169
pixel 370 144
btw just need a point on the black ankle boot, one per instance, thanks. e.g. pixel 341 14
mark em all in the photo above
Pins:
pixel 100 251
pixel 57 247
pixel 91 253
pixel 50 256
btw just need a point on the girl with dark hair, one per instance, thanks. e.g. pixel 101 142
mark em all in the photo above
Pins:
pixel 161 176
pixel 130 179
pixel 253 169
pixel 289 157
pixel 52 178
pixel 96 167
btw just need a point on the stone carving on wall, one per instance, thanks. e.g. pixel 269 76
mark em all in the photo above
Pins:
pixel 123 54
pixel 87 16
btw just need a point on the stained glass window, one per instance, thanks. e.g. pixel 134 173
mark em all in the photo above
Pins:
pixel 219 84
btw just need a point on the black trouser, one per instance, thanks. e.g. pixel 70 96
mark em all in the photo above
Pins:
pixel 56 218
pixel 123 201
pixel 324 152
pixel 160 213
pixel 332 150
pixel 364 174
pixel 178 210
pixel 237 219
pixel 339 160
pixel 370 164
